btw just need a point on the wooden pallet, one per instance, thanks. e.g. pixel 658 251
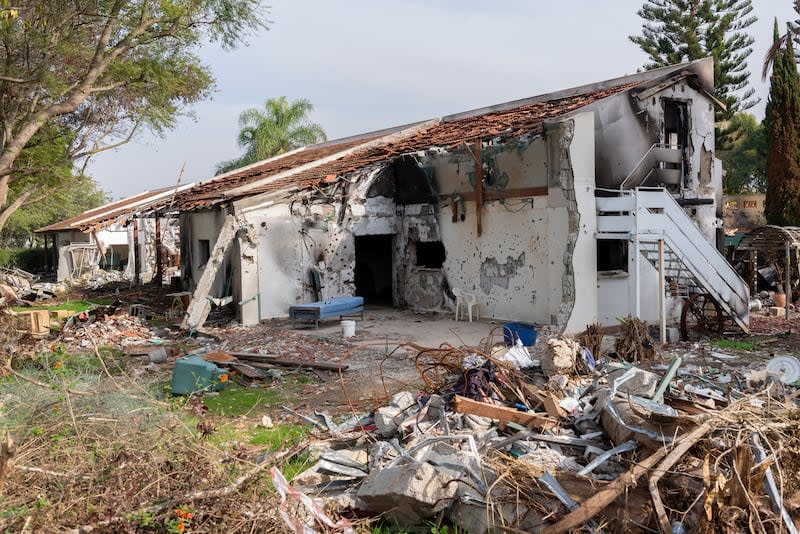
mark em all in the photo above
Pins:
pixel 34 321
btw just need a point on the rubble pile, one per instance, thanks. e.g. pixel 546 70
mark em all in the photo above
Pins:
pixel 276 340
pixel 105 326
pixel 18 287
pixel 101 277
pixel 497 444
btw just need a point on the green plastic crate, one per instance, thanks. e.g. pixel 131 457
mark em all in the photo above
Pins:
pixel 192 373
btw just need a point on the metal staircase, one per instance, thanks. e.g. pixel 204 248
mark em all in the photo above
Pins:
pixel 654 168
pixel 644 217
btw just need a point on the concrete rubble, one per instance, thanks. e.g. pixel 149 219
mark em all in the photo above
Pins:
pixel 488 447
pixel 678 437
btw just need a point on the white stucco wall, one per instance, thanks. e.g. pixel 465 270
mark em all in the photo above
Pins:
pixel 196 226
pixel 584 257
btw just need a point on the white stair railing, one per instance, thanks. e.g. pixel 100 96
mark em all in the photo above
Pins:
pixel 651 214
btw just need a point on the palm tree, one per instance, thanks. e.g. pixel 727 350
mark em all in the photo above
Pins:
pixel 280 127
pixel 792 33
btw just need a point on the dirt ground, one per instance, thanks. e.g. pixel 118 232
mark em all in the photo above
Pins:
pixel 82 411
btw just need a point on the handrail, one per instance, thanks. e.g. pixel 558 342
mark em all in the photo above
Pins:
pixel 648 160
pixel 692 235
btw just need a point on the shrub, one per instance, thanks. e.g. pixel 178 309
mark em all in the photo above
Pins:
pixel 27 259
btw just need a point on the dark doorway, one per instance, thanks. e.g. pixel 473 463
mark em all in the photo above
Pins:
pixel 374 268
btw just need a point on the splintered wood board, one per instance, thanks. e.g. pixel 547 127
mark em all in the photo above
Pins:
pixel 502 414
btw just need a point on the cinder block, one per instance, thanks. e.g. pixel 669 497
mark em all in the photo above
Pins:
pixel 777 311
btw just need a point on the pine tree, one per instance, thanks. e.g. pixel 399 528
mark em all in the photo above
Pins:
pixel 782 129
pixel 675 31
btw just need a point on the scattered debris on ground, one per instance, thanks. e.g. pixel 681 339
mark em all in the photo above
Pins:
pixel 567 434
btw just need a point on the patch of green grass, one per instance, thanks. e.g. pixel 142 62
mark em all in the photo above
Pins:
pixel 284 435
pixel 234 400
pixel 75 306
pixel 295 466
pixel 734 344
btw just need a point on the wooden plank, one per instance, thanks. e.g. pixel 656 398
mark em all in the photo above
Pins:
pixel 547 400
pixel 478 187
pixel 218 357
pixel 249 371
pixel 277 360
pixel 502 414
pixel 198 309
pixel 501 194
pixel 34 321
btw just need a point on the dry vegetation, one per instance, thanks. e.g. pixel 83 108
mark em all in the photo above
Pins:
pixel 96 448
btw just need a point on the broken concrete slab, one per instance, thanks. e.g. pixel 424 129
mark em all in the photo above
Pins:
pixel 408 493
pixel 561 356
pixel 385 420
pixel 403 400
pixel 642 383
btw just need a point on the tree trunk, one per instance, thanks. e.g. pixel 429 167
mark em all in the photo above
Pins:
pixel 9 210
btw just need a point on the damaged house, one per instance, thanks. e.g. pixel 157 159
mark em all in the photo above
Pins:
pixel 116 236
pixel 573 207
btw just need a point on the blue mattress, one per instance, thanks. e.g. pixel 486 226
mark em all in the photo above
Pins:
pixel 334 307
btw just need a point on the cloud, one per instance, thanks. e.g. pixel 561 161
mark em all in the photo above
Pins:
pixel 367 65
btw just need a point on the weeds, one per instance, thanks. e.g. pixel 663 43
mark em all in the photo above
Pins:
pixel 735 344
pixel 107 454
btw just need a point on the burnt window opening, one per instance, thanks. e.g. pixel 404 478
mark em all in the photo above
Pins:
pixel 203 251
pixel 676 124
pixel 430 254
pixel 612 255
pixel 405 181
pixel 676 137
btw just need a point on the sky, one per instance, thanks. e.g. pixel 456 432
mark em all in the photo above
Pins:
pixel 371 64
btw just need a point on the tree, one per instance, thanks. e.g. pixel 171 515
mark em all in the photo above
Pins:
pixel 80 193
pixel 281 126
pixel 745 157
pixel 46 189
pixel 675 31
pixel 782 129
pixel 793 33
pixel 103 69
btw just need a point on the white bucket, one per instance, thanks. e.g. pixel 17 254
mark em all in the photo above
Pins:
pixel 348 329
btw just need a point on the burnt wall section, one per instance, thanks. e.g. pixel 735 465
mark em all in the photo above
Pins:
pixel 678 115
pixel 520 267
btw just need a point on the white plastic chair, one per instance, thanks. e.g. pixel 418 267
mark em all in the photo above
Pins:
pixel 468 301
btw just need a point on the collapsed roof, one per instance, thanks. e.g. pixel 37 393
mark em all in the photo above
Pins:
pixel 106 215
pixel 308 167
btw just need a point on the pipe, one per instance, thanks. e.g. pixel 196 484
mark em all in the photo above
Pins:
pixel 662 312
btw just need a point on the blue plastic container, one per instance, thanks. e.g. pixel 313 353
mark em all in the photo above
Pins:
pixel 524 332
pixel 192 373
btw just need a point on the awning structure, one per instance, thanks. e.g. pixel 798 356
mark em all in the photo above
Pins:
pixel 775 243
pixel 771 238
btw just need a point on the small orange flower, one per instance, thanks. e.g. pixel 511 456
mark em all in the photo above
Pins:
pixel 180 527
pixel 57 365
pixel 223 378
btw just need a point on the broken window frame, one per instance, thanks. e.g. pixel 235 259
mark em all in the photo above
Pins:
pixel 434 256
pixel 609 265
